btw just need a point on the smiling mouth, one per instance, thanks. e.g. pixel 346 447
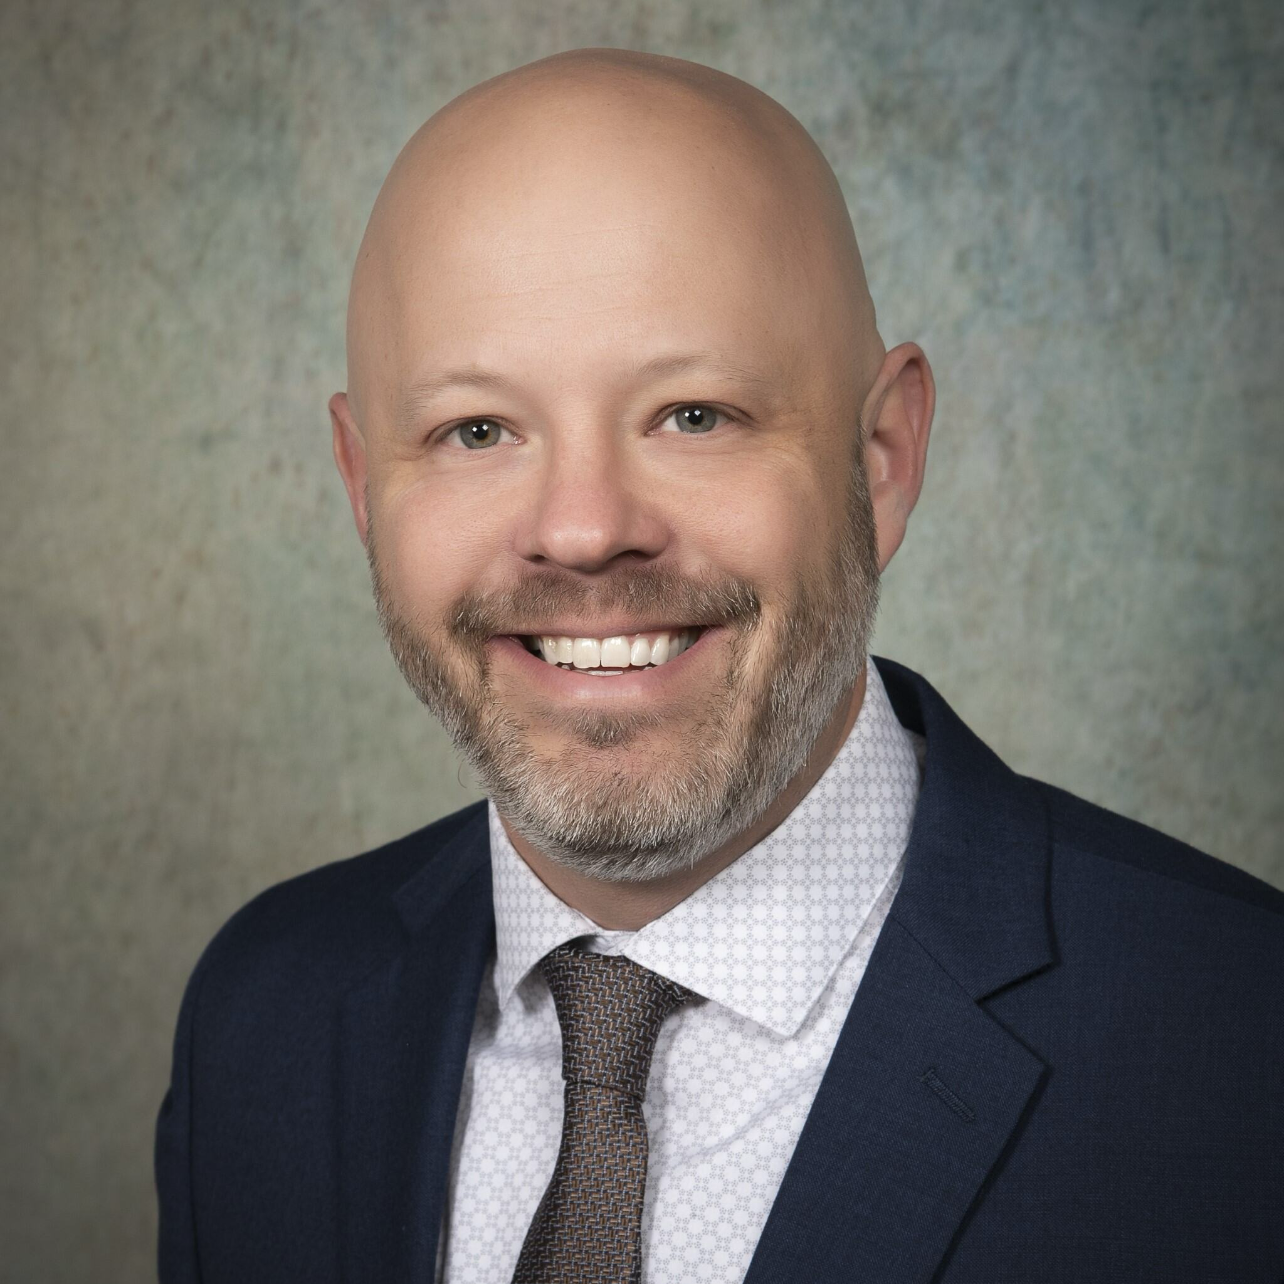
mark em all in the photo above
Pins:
pixel 611 656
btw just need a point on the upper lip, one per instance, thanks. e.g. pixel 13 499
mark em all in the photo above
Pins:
pixel 596 631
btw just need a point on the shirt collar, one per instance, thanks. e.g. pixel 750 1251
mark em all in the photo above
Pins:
pixel 764 935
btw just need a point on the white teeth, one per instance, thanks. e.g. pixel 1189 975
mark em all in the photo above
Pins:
pixel 615 653
pixel 587 653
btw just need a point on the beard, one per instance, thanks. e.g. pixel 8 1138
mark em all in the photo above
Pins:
pixel 622 801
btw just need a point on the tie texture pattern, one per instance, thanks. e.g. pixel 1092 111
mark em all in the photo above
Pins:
pixel 588 1226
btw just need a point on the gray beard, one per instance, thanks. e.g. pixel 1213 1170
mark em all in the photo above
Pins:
pixel 752 738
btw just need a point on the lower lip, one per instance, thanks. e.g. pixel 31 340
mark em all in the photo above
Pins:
pixel 580 685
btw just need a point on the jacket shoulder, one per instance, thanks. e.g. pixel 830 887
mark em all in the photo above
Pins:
pixel 1096 831
pixel 324 924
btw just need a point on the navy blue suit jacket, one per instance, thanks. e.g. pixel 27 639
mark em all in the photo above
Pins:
pixel 1064 1063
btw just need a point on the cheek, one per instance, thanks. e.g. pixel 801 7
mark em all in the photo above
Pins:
pixel 772 527
pixel 433 547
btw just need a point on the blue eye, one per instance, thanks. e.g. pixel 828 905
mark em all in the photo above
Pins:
pixel 478 434
pixel 695 418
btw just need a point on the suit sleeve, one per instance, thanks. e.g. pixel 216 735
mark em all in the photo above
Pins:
pixel 177 1260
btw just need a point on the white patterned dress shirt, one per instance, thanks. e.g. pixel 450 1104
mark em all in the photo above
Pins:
pixel 774 945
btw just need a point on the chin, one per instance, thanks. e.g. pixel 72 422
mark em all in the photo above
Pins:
pixel 582 733
pixel 598 759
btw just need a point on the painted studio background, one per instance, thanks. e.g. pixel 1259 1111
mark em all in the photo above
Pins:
pixel 1074 208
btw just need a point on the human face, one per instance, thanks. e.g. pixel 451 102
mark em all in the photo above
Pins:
pixel 594 487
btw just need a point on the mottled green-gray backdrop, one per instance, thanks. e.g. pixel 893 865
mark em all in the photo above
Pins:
pixel 1074 208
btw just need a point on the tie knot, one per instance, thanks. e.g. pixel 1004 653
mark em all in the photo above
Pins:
pixel 610 1010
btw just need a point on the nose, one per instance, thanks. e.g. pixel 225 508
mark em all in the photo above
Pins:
pixel 590 506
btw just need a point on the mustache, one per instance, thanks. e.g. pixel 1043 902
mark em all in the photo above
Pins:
pixel 542 600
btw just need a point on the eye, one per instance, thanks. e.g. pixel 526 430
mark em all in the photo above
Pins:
pixel 694 418
pixel 477 434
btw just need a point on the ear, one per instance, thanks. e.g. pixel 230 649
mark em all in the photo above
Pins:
pixel 350 455
pixel 898 419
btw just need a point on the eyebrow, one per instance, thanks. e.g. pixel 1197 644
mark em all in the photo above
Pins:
pixel 422 392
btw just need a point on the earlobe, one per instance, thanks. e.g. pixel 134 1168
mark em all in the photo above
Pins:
pixel 350 456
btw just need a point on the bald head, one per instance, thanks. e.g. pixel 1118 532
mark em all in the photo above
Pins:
pixel 616 391
pixel 610 174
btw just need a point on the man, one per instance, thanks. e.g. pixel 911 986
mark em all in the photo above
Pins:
pixel 756 964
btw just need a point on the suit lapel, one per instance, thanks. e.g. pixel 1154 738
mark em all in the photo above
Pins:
pixel 924 1089
pixel 403 1032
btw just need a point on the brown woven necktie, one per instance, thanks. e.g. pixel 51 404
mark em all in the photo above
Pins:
pixel 588 1226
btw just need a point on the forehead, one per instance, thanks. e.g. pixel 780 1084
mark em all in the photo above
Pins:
pixel 599 287
pixel 567 246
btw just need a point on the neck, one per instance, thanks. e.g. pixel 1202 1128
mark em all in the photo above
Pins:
pixel 629 906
